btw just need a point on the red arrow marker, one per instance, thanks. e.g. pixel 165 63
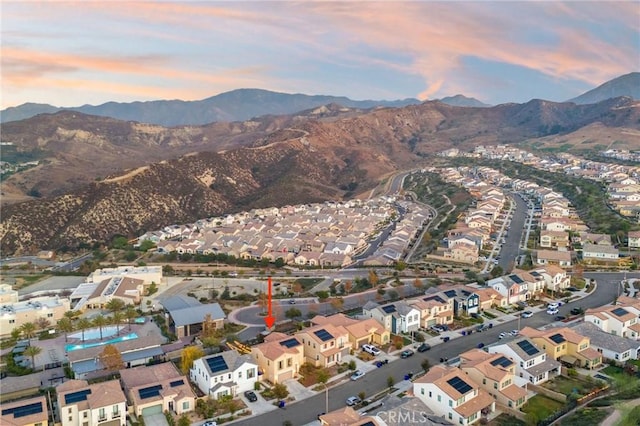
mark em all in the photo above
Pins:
pixel 269 320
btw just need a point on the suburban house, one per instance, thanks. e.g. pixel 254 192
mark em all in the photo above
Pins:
pixel 81 404
pixel 157 388
pixel 565 345
pixel 554 239
pixel 14 315
pixel 552 257
pixel 226 373
pixel 25 412
pixel 324 345
pixel 450 393
pixel 398 317
pixel 620 320
pixel 489 298
pixel 531 362
pixel 599 252
pixel 361 332
pixel 187 316
pixel 555 278
pixel 434 310
pixel 514 288
pixel 465 300
pixel 279 358
pixel 495 373
pixel 611 347
pixel 634 239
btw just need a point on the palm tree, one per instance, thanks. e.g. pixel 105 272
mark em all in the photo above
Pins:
pixel 32 351
pixel 100 322
pixel 115 305
pixel 130 313
pixel 116 319
pixel 83 324
pixel 28 329
pixel 66 326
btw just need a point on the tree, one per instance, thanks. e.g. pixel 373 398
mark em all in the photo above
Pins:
pixel 65 325
pixel 337 303
pixel 115 305
pixel 322 376
pixel 119 242
pixel 100 322
pixel 390 381
pixel 496 272
pixel 111 358
pixel 280 391
pixel 42 323
pixel 130 314
pixel 361 395
pixel 293 313
pixel 425 365
pixel 32 351
pixel 116 319
pixel 373 278
pixel 189 354
pixel 28 330
pixel 297 288
pixel 322 295
pixel 82 325
pixel 184 420
pixel 263 301
pixel 417 283
pixel 348 286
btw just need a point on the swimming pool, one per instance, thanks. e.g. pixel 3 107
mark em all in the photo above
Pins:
pixel 94 333
pixel 73 347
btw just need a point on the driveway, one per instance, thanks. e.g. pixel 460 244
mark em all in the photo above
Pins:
pixel 155 420
pixel 297 390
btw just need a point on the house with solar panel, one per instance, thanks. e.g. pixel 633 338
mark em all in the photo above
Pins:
pixel 464 299
pixel 434 310
pixel 279 358
pixel 496 374
pixel 157 388
pixel 324 345
pixel 397 317
pixel 565 345
pixel 81 404
pixel 361 331
pixel 622 319
pixel 452 394
pixel 616 348
pixel 226 373
pixel 531 362
pixel 26 412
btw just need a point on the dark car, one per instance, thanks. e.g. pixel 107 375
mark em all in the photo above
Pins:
pixel 251 396
pixel 480 345
pixel 406 354
pixel 445 338
pixel 574 289
pixel 381 363
pixel 577 311
pixel 561 318
pixel 424 347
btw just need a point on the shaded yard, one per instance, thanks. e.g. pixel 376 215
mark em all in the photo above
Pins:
pixel 571 385
pixel 541 405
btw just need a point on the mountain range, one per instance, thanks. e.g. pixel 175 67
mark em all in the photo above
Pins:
pixel 98 177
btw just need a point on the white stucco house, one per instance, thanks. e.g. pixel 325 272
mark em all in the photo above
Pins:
pixel 226 373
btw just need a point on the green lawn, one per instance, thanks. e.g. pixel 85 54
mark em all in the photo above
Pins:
pixel 506 420
pixel 541 405
pixel 568 385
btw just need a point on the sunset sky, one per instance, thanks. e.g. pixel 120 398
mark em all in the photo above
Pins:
pixel 91 52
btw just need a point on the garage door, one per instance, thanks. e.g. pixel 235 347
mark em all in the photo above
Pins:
pixel 284 376
pixel 150 411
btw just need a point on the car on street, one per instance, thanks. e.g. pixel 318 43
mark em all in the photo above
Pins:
pixel 292 302
pixel 573 289
pixel 406 353
pixel 381 363
pixel 514 332
pixel 560 318
pixel 357 374
pixel 480 345
pixel 577 311
pixel 370 349
pixel 251 396
pixel 210 423
pixel 353 400
pixel 424 347
pixel 527 314
pixel 502 335
pixel 552 311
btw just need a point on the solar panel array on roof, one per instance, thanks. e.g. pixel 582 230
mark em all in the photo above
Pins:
pixel 323 335
pixel 217 363
pixel 23 411
pixel 535 274
pixel 74 397
pixel 389 308
pixel 527 347
pixel 450 293
pixel 558 338
pixel 503 362
pixel 176 383
pixel 516 279
pixel 290 343
pixel 460 385
pixel 150 391
pixel 619 312
pixel 437 298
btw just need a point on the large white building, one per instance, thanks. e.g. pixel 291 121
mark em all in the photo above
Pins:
pixel 226 373
pixel 14 315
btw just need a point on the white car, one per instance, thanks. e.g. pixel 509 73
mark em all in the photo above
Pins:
pixel 502 335
pixel 514 332
pixel 357 374
pixel 552 311
pixel 553 305
pixel 371 350
pixel 527 314
pixel 353 400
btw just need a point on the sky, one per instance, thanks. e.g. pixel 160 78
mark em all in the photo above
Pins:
pixel 92 52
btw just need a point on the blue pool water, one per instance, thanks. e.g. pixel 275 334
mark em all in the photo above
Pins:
pixel 94 333
pixel 73 347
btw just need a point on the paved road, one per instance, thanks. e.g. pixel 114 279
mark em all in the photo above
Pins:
pixel 306 410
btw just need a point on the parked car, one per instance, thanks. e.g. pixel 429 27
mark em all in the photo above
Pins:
pixel 502 335
pixel 514 332
pixel 292 302
pixel 251 396
pixel 527 314
pixel 480 345
pixel 574 289
pixel 424 347
pixel 560 318
pixel 382 362
pixel 357 374
pixel 446 338
pixel 210 423
pixel 552 311
pixel 406 353
pixel 353 400
pixel 371 350
pixel 553 305
pixel 577 311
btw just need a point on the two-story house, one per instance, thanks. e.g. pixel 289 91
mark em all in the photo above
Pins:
pixel 599 252
pixel 465 299
pixel 81 404
pixel 434 310
pixel 398 317
pixel 565 345
pixel 25 412
pixel 324 345
pixel 531 363
pixel 512 287
pixel 621 320
pixel 552 257
pixel 555 278
pixel 226 373
pixel 361 332
pixel 634 239
pixel 279 358
pixel 611 347
pixel 450 393
pixel 495 373
pixel 157 388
